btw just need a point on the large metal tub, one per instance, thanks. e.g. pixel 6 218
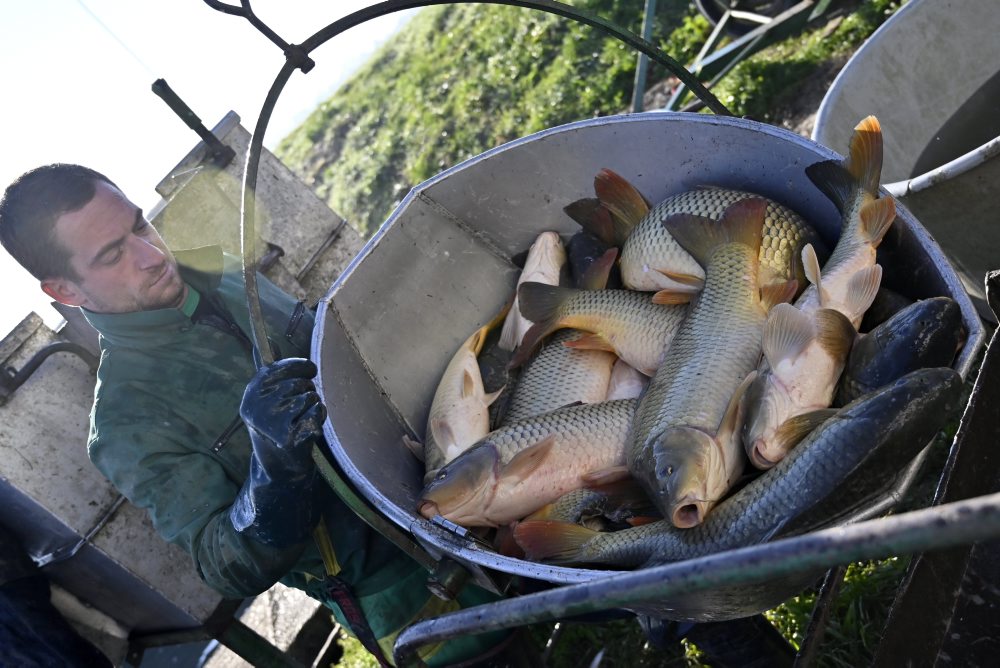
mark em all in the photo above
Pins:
pixel 440 267
pixel 931 74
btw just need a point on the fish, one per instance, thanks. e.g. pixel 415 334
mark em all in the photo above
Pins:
pixel 928 333
pixel 625 382
pixel 519 468
pixel 685 448
pixel 651 260
pixel 887 303
pixel 624 322
pixel 546 258
pixel 584 250
pixel 853 186
pixel 804 355
pixel 617 504
pixel 459 413
pixel 876 435
pixel 559 375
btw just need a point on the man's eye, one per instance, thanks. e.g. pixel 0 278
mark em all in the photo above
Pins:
pixel 112 258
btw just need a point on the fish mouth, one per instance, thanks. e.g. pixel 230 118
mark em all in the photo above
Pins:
pixel 757 455
pixel 688 513
pixel 428 509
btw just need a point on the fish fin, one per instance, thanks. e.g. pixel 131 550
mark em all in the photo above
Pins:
pixel 594 218
pixel 505 544
pixel 527 461
pixel 558 542
pixel 796 428
pixel 540 304
pixel 508 335
pixel 787 332
pixel 862 289
pixel 670 297
pixel 626 204
pixel 810 265
pixel 641 521
pixel 778 293
pixel 507 316
pixel 590 342
pixel 415 447
pixel 442 434
pixel 864 161
pixel 488 399
pixel 596 275
pixel 835 333
pixel 468 384
pixel 735 413
pixel 605 476
pixel 833 181
pixel 741 222
pixel 876 218
pixel 673 297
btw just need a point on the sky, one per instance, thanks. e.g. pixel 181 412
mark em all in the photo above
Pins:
pixel 76 77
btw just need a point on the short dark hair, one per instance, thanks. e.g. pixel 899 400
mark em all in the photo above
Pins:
pixel 30 207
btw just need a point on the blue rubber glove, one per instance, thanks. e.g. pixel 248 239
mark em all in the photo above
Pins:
pixel 278 504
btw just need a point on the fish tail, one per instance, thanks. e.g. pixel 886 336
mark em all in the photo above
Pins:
pixel 594 218
pixel 864 162
pixel 861 169
pixel 623 200
pixel 552 541
pixel 541 304
pixel 742 222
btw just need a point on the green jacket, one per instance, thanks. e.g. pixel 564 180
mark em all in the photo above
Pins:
pixel 162 431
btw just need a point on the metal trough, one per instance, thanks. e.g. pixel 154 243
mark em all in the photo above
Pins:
pixel 440 267
pixel 931 74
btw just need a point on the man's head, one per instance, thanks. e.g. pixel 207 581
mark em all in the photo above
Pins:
pixel 87 244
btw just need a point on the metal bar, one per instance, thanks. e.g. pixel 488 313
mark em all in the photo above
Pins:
pixel 718 32
pixel 820 616
pixel 10 379
pixel 932 528
pixel 67 551
pixel 639 87
pixel 254 648
pixel 221 154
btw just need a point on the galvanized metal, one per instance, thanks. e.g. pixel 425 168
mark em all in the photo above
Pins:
pixel 931 74
pixel 441 263
pixel 944 526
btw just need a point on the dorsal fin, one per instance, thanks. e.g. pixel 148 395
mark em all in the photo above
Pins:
pixel 742 222
pixel 626 204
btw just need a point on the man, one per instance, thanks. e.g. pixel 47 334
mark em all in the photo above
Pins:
pixel 183 424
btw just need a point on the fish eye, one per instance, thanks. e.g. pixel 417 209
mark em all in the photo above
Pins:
pixel 670 470
pixel 442 474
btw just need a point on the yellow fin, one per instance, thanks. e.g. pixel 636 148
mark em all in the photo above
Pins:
pixel 862 289
pixel 590 342
pixel 876 217
pixel 605 476
pixel 527 461
pixel 670 297
pixel 547 540
pixel 796 428
pixel 787 333
pixel 835 333
pixel 623 200
pixel 778 293
pixel 865 159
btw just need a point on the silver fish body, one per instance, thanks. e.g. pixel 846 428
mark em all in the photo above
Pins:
pixel 521 467
pixel 836 468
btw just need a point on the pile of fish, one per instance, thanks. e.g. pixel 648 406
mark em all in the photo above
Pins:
pixel 689 377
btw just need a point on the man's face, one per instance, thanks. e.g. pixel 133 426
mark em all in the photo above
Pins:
pixel 120 260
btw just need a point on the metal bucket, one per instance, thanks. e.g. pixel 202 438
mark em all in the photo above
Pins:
pixel 440 267
pixel 931 74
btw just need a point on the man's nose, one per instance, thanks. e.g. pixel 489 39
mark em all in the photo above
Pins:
pixel 148 255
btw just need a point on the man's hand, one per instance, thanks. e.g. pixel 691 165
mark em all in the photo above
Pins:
pixel 284 415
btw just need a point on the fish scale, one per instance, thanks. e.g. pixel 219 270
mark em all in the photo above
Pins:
pixel 650 247
pixel 558 376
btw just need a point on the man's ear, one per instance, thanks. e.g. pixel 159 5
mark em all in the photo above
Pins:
pixel 63 291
